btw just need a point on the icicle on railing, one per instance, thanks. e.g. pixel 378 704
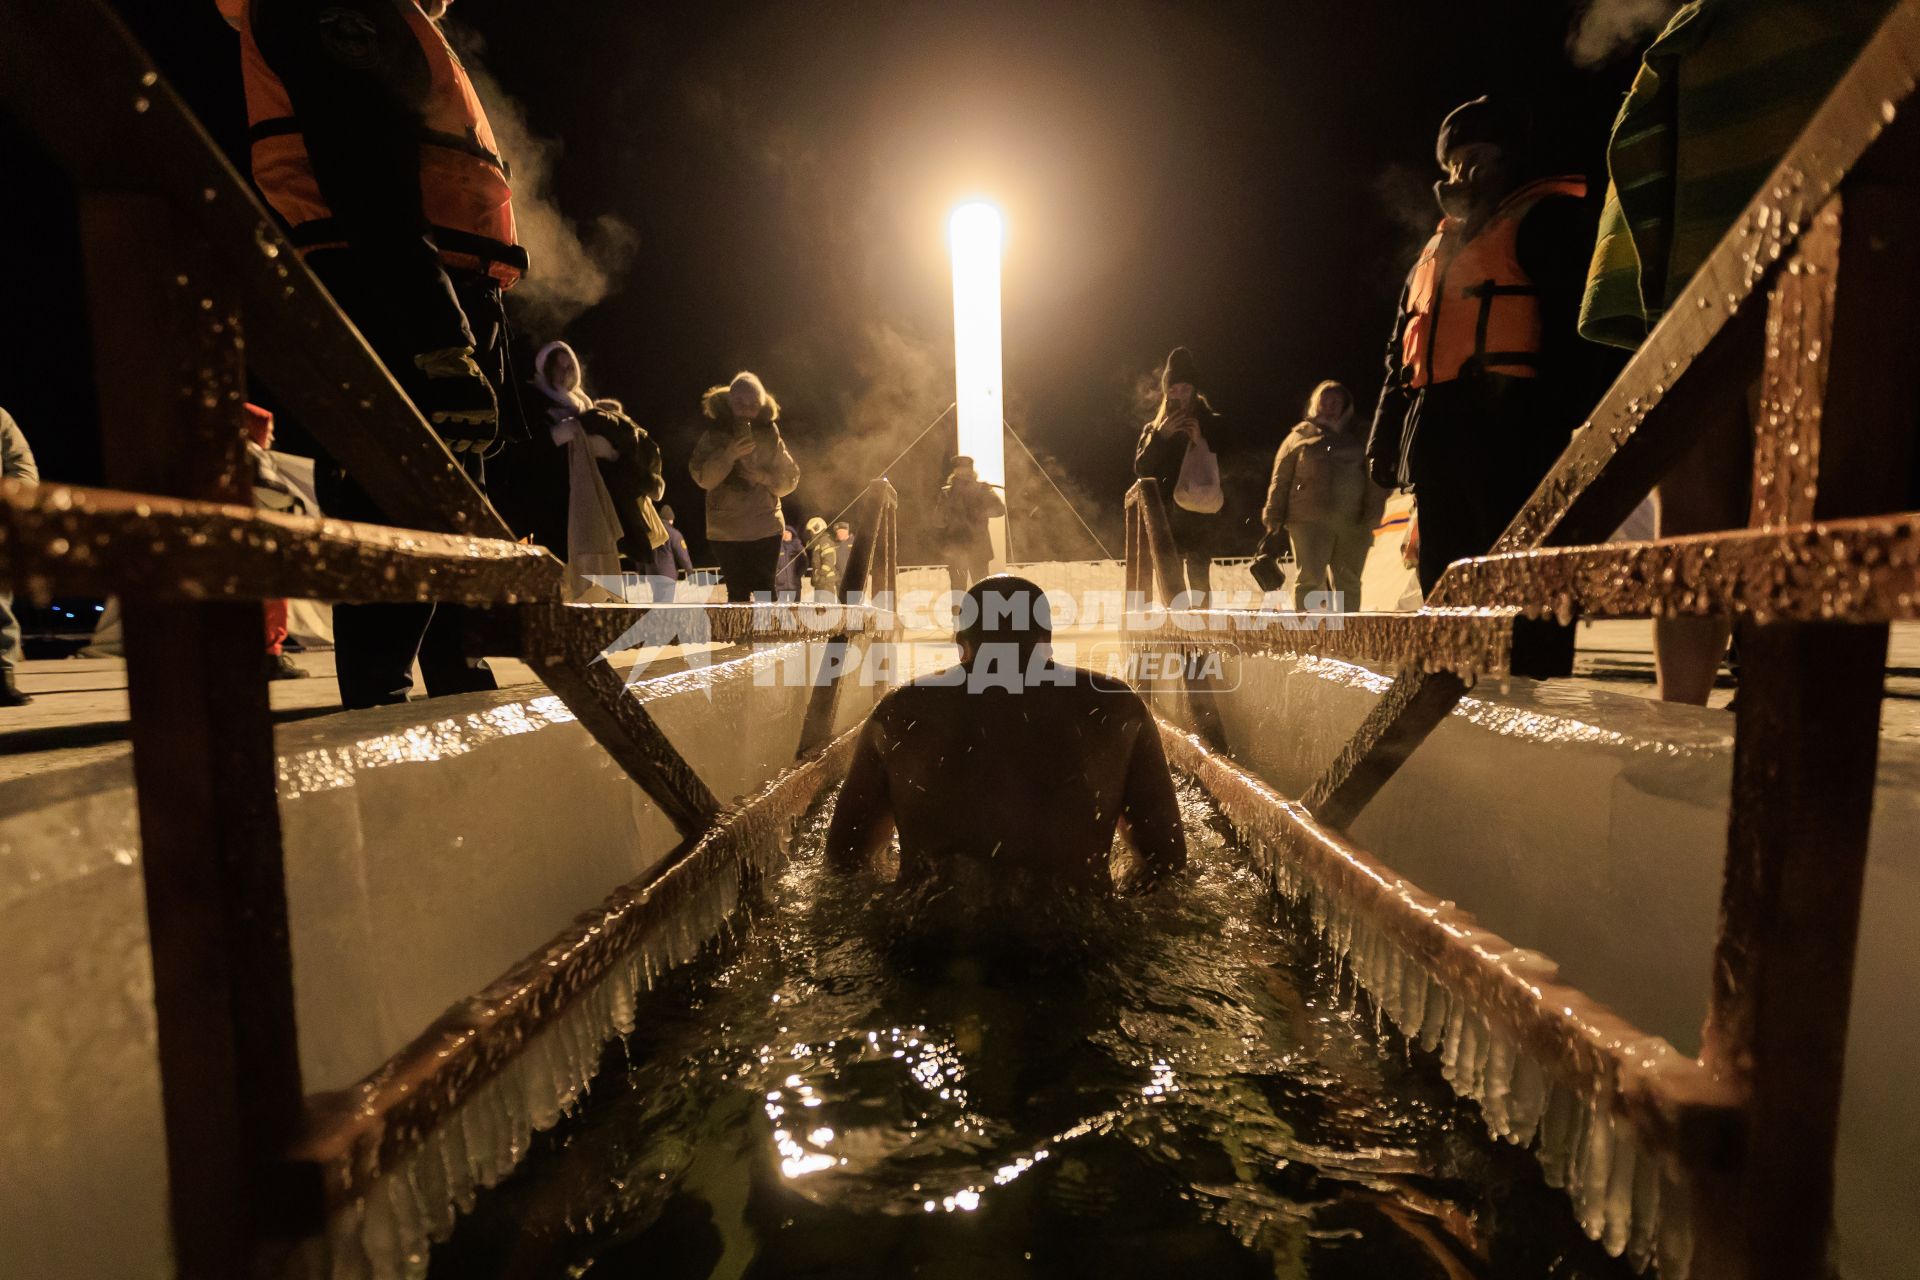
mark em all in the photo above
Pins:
pixel 1606 1109
pixel 454 1112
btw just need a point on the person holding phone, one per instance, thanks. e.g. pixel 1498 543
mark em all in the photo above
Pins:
pixel 743 465
pixel 1184 419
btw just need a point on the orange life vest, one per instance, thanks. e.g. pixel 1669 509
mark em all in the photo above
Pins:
pixel 1470 301
pixel 463 181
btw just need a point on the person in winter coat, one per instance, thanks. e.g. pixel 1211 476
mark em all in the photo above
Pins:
pixel 272 491
pixel 743 464
pixel 1323 502
pixel 786 570
pixel 671 561
pixel 966 503
pixel 16 463
pixel 626 457
pixel 1185 418
pixel 823 557
pixel 1486 376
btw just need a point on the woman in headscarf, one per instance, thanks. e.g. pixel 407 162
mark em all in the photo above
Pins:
pixel 1321 499
pixel 614 469
pixel 743 464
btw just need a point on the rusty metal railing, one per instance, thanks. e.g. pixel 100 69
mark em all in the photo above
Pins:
pixel 1813 293
pixel 192 287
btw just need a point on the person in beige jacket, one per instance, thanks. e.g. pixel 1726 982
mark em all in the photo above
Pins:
pixel 1321 498
pixel 744 467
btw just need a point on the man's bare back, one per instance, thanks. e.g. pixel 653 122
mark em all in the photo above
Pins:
pixel 1024 783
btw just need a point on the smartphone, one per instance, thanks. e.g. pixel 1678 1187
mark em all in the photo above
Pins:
pixel 743 430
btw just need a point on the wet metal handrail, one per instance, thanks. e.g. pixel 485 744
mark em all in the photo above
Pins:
pixel 183 262
pixel 1812 293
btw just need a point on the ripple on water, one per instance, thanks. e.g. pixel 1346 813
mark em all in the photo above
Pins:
pixel 1164 1085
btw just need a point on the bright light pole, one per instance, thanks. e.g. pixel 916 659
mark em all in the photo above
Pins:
pixel 975 233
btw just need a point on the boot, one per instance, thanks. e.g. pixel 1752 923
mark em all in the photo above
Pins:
pixel 10 695
pixel 281 667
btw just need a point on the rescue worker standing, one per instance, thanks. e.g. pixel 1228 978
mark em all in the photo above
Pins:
pixel 368 139
pixel 1486 377
pixel 823 559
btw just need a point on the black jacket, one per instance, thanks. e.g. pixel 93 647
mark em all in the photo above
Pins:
pixel 633 477
pixel 966 504
pixel 1159 457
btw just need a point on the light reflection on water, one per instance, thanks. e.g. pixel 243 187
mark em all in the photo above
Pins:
pixel 1160 1086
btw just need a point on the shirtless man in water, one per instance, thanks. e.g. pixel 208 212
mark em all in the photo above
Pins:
pixel 1010 762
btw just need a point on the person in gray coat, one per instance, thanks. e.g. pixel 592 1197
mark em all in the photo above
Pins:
pixel 1321 499
pixel 16 463
pixel 743 464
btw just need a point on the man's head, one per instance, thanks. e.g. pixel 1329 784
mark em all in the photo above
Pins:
pixel 1480 149
pixel 962 466
pixel 816 527
pixel 666 513
pixel 842 531
pixel 1003 610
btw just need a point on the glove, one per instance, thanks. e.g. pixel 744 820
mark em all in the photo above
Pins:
pixel 458 399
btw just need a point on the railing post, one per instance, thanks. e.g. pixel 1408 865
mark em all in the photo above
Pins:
pixel 1843 394
pixel 869 564
pixel 167 355
pixel 1163 559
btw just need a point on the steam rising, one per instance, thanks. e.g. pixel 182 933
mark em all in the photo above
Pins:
pixel 1406 194
pixel 571 270
pixel 1609 26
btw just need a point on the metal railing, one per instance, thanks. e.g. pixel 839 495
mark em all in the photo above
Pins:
pixel 1813 292
pixel 192 288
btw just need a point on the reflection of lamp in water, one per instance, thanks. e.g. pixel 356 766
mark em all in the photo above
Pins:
pixel 975 233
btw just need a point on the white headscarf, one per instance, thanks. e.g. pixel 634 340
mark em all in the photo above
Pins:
pixel 573 397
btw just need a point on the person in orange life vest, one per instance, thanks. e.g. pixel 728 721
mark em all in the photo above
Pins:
pixel 369 141
pixel 1486 376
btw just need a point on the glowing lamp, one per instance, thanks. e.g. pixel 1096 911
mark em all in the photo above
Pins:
pixel 975 234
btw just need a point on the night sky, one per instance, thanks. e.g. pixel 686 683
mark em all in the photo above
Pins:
pixel 766 185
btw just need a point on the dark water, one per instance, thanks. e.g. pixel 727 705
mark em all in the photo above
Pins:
pixel 1167 1086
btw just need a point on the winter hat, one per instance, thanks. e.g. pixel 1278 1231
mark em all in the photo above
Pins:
pixel 1486 120
pixel 1180 368
pixel 665 512
pixel 842 524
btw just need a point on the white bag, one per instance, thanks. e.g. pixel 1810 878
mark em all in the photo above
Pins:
pixel 1198 488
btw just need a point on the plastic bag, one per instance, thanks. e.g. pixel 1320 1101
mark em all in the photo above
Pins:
pixel 1198 488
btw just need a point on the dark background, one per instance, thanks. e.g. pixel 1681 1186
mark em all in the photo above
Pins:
pixel 766 186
